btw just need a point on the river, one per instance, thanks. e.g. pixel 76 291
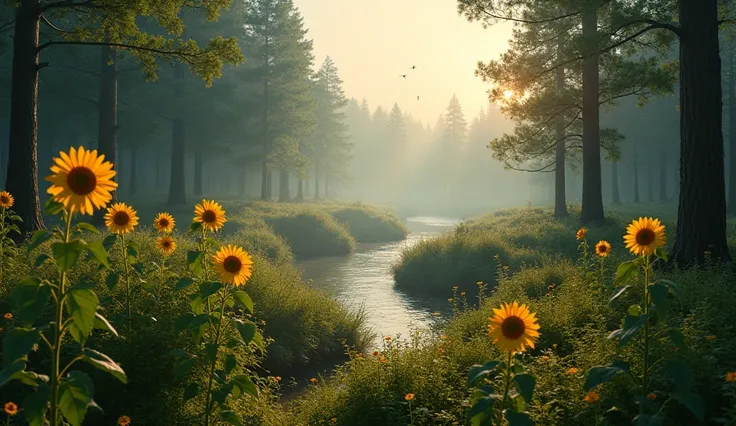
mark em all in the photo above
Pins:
pixel 364 280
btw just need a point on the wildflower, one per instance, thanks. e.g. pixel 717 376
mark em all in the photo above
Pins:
pixel 278 378
pixel 545 357
pixel 479 283
pixel 313 380
pixel 572 370
pixel 6 200
pixel 387 338
pixel 442 350
pixel 210 214
pixel 166 244
pixel 450 299
pixel 333 420
pixel 652 396
pixel 233 264
pixel 121 218
pixel 644 236
pixel 383 360
pixel 409 396
pixel 8 316
pixel 580 235
pixel 11 409
pixel 505 267
pixel 81 180
pixel 710 338
pixel 164 222
pixel 592 397
pixel 443 337
pixel 603 248
pixel 462 293
pixel 554 345
pixel 436 314
pixel 375 353
pixel 123 421
pixel 455 287
pixel 731 376
pixel 513 328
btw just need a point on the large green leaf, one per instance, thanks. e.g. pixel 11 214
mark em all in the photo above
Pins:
pixel 76 393
pixel 8 373
pixel 477 371
pixel 182 366
pixel 602 374
pixel 525 383
pixel 632 324
pixel 626 270
pixel 246 329
pixel 66 254
pixel 30 297
pixel 17 343
pixel 680 373
pixel 36 404
pixel 692 401
pixel 101 323
pixel 39 237
pixel 481 407
pixel 183 283
pixel 191 391
pixel 244 385
pixel 678 339
pixel 112 280
pixel 618 293
pixel 109 241
pixel 84 226
pixel 231 417
pixel 182 323
pixel 230 363
pixel 194 261
pixel 98 251
pixel 53 207
pixel 104 363
pixel 207 289
pixel 82 303
pixel 658 292
pixel 518 419
pixel 244 300
pixel 647 420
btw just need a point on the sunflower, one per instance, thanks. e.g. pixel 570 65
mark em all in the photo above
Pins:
pixel 731 376
pixel 164 222
pixel 6 200
pixel 580 234
pixel 603 248
pixel 166 244
pixel 210 214
pixel 82 180
pixel 644 236
pixel 11 409
pixel 233 264
pixel 120 218
pixel 513 328
pixel 123 421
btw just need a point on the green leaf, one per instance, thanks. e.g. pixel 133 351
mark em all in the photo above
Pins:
pixel 183 283
pixel 182 323
pixel 41 259
pixel 634 310
pixel 36 404
pixel 101 323
pixel 602 374
pixel 692 401
pixel 626 270
pixel 194 261
pixel 518 419
pixel 191 391
pixel 112 280
pixel 258 341
pixel 207 289
pixel 245 385
pixel 132 249
pixel 104 363
pixel 17 343
pixel 618 293
pixel 647 420
pixel 210 349
pixel 244 300
pixel 83 226
pixel 482 406
pixel 658 292
pixel 66 254
pixel 672 286
pixel 632 324
pixel 230 363
pixel 680 373
pixel 30 298
pixel 98 251
pixel 195 226
pixel 109 241
pixel 660 253
pixel 525 383
pixel 182 366
pixel 8 373
pixel 678 339
pixel 199 320
pixel 231 417
pixel 53 207
pixel 477 371
pixel 39 237
pixel 246 329
pixel 76 393
pixel 82 303
pixel 15 218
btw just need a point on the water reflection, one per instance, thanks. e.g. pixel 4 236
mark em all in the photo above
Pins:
pixel 364 279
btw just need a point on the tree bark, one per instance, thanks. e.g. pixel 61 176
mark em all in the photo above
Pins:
pixel 284 196
pixel 133 170
pixel 560 202
pixel 614 183
pixel 317 173
pixel 592 208
pixel 107 122
pixel 157 168
pixel 636 181
pixel 243 182
pixel 327 187
pixel 663 175
pixel 299 190
pixel 198 171
pixel 650 181
pixel 732 128
pixel 22 177
pixel 701 216
pixel 177 187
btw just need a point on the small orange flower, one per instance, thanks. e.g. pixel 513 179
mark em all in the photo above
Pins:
pixel 442 350
pixel 333 420
pixel 592 397
pixel 387 338
pixel 462 293
pixel 278 378
pixel 554 346
pixel 479 283
pixel 443 337
pixel 409 396
pixel 455 287
pixel 652 396
pixel 313 380
pixel 123 421
pixel 545 357
pixel 572 370
pixel 8 316
pixel 375 353
pixel 731 376
pixel 580 235
pixel 383 360
pixel 710 338
pixel 11 409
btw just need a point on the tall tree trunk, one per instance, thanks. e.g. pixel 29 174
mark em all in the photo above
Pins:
pixel 177 181
pixel 560 202
pixel 299 190
pixel 701 216
pixel 107 123
pixel 133 170
pixel 157 168
pixel 22 177
pixel 266 186
pixel 317 173
pixel 636 181
pixel 284 186
pixel 663 175
pixel 614 182
pixel 198 171
pixel 243 181
pixel 592 209
pixel 732 128
pixel 327 187
pixel 650 181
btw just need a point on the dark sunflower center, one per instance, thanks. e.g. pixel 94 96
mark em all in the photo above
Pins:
pixel 602 249
pixel 163 222
pixel 166 244
pixel 645 237
pixel 4 199
pixel 121 218
pixel 513 327
pixel 81 180
pixel 232 264
pixel 209 216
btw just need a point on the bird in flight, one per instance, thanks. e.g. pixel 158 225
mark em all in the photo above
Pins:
pixel 413 67
pixel 417 97
pixel 402 75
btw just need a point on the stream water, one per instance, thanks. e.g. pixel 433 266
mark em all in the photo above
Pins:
pixel 364 280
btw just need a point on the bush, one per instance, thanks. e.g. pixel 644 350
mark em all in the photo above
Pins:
pixel 369 225
pixel 312 233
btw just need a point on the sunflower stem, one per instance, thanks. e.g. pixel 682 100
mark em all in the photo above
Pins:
pixel 507 385
pixel 161 278
pixel 211 373
pixel 124 249
pixel 2 244
pixel 647 277
pixel 58 334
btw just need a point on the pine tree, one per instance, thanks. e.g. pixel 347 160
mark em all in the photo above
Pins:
pixel 453 141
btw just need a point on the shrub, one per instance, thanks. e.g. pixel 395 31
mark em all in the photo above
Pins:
pixel 313 233
pixel 369 225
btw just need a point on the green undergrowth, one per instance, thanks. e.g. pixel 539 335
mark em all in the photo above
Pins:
pixel 370 225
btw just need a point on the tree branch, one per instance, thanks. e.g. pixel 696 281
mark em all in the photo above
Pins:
pixel 67 4
pixel 542 169
pixel 529 21
pixel 52 26
pixel 120 45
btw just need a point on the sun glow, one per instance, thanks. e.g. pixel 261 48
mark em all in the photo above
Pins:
pixel 508 94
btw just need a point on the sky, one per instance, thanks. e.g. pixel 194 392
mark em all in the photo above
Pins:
pixel 372 42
